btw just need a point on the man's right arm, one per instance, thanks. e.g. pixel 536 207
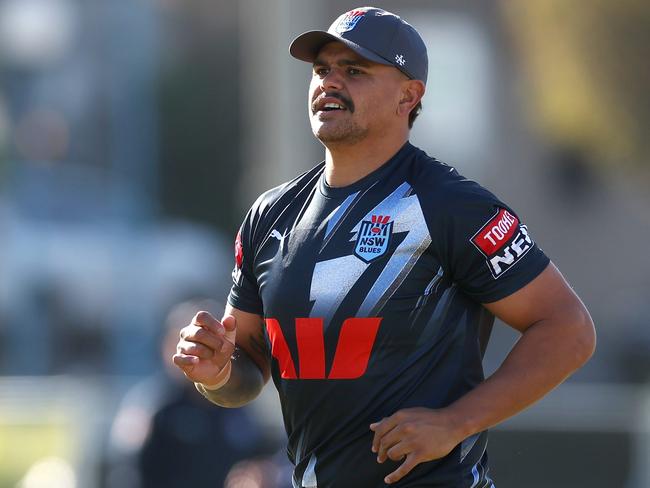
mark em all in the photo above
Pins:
pixel 209 351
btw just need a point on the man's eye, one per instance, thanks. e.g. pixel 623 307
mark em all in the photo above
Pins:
pixel 354 71
pixel 320 71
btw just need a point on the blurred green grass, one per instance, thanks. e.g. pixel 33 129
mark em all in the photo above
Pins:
pixel 23 442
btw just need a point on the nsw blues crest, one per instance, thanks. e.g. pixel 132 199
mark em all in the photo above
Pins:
pixel 349 20
pixel 373 238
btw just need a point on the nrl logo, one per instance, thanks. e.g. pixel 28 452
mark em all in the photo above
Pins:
pixel 373 238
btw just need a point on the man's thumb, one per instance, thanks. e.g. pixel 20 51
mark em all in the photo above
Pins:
pixel 229 323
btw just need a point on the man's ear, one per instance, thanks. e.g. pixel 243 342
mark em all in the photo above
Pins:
pixel 411 94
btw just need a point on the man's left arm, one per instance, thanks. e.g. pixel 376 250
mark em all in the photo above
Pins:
pixel 558 337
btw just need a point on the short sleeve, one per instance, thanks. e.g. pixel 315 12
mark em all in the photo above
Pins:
pixel 488 249
pixel 244 293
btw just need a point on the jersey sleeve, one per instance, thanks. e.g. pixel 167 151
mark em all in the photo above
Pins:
pixel 244 293
pixel 487 248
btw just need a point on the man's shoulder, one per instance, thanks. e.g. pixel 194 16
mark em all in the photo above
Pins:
pixel 441 182
pixel 287 190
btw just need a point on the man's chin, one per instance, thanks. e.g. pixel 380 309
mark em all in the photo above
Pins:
pixel 338 134
pixel 328 136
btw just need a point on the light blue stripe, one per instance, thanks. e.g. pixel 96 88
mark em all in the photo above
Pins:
pixel 475 475
pixel 338 213
pixel 309 476
pixel 406 213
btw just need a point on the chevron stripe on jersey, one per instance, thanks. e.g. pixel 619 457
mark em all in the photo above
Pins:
pixel 371 296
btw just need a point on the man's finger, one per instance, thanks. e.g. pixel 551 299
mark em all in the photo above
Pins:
pixel 387 442
pixel 206 320
pixel 229 323
pixel 380 429
pixel 405 468
pixel 399 450
pixel 195 333
pixel 185 361
pixel 195 349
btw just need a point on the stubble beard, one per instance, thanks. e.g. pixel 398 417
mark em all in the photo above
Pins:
pixel 339 132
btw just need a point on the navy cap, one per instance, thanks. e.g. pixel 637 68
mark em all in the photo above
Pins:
pixel 374 34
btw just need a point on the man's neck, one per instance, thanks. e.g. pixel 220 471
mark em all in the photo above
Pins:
pixel 347 164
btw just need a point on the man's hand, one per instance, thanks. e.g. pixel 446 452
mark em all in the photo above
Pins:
pixel 205 347
pixel 415 435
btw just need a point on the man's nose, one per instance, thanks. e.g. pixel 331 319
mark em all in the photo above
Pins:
pixel 333 80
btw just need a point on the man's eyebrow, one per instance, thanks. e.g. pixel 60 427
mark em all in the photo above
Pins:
pixel 345 62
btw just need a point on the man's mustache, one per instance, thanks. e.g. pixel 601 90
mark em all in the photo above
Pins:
pixel 346 102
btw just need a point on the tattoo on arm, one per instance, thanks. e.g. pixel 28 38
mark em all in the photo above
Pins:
pixel 245 383
pixel 258 343
pixel 246 380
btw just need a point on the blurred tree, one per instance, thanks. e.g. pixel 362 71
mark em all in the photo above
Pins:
pixel 587 68
pixel 199 112
pixel 4 137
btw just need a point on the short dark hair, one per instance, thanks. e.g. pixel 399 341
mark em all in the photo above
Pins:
pixel 414 114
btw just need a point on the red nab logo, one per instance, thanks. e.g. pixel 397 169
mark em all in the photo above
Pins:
pixel 503 240
pixel 351 357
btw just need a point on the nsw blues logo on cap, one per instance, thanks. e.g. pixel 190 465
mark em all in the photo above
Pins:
pixel 374 34
pixel 349 20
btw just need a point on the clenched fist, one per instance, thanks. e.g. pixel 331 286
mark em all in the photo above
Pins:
pixel 205 348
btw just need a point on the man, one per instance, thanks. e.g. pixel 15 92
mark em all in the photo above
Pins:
pixel 367 288
pixel 177 431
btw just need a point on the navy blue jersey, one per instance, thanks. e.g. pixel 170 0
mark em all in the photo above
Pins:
pixel 371 296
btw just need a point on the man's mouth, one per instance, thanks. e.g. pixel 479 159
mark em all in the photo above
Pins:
pixel 328 107
pixel 330 103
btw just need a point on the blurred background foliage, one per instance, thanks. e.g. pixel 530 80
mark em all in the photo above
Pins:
pixel 135 134
pixel 587 73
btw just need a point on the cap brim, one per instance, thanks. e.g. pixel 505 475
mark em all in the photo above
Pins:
pixel 307 46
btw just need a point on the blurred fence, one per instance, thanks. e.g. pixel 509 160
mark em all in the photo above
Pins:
pixel 580 435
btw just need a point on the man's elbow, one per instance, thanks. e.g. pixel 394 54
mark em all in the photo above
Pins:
pixel 583 336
